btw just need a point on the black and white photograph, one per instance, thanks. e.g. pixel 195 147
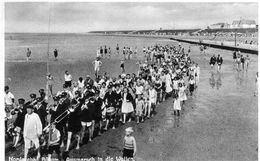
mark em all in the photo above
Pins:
pixel 130 81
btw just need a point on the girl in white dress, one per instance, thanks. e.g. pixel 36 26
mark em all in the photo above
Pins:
pixel 182 95
pixel 127 106
pixel 176 104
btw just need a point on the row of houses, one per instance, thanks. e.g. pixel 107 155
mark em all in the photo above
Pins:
pixel 235 24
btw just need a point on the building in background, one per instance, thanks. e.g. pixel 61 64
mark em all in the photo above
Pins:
pixel 243 24
pixel 219 26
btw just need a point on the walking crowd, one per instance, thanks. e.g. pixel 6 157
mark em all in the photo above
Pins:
pixel 88 107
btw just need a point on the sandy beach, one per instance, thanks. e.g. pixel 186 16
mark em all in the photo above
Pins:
pixel 219 123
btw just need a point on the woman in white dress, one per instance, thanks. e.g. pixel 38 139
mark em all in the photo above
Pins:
pixel 181 93
pixel 127 106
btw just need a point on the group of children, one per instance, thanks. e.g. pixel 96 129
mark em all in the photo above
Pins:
pixel 104 102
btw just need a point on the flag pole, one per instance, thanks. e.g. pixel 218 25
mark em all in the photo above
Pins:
pixel 48 51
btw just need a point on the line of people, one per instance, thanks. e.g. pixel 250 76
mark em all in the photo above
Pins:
pixel 93 106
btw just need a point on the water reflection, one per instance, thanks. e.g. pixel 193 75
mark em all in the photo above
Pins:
pixel 215 80
pixel 239 77
pixel 212 81
pixel 176 121
pixel 218 82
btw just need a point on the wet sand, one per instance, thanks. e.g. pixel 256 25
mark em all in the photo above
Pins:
pixel 219 123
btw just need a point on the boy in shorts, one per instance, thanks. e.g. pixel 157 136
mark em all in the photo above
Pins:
pixel 54 141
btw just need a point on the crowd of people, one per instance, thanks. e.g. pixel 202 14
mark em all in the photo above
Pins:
pixel 126 51
pixel 90 106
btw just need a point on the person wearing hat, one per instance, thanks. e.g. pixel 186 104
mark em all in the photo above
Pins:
pixel 32 100
pixel 129 150
pixel 88 92
pixel 62 105
pixel 42 94
pixel 32 131
pixel 19 122
pixel 40 108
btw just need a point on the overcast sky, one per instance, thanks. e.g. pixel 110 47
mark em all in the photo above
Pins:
pixel 86 16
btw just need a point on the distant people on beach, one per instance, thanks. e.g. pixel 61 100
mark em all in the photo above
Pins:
pixel 219 62
pixel 97 64
pixel 234 56
pixel 135 52
pixel 68 79
pixel 101 51
pixel 105 51
pixel 124 53
pixel 117 49
pixel 256 84
pixel 238 61
pixel 55 52
pixel 247 61
pixel 189 51
pixel 28 54
pixel 122 66
pixel 242 59
pixel 50 82
pixel 98 55
pixel 212 61
pixel 109 53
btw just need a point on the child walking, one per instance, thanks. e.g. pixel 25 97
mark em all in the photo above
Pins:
pixel 129 150
pixel 139 108
pixel 176 105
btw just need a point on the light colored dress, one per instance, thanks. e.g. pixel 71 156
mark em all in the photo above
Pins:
pixel 168 83
pixel 182 94
pixel 127 107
